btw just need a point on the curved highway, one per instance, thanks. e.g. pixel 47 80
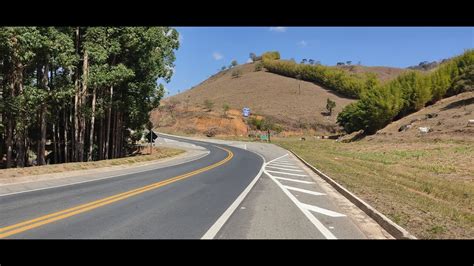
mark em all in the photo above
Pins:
pixel 180 201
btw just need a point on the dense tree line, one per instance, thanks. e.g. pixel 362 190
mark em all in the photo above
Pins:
pixel 381 104
pixel 348 84
pixel 78 91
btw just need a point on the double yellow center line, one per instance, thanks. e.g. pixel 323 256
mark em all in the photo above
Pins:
pixel 52 217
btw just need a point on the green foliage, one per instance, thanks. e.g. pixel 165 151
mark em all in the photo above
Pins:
pixel 258 66
pixel 264 124
pixel 464 82
pixel 330 105
pixel 128 59
pixel 233 63
pixel 380 104
pixel 269 56
pixel 348 84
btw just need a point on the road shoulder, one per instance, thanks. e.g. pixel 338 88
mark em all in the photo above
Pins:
pixel 10 186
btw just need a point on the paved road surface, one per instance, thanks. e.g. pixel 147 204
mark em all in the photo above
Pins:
pixel 235 190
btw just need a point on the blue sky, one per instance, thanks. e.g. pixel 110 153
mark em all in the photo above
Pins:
pixel 204 50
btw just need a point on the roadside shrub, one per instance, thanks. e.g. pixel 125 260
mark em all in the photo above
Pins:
pixel 258 66
pixel 255 123
pixel 211 132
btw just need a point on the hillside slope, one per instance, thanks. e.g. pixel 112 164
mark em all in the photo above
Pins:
pixel 447 119
pixel 295 105
pixel 383 73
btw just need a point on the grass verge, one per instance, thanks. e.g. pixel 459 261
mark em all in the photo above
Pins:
pixel 426 187
pixel 158 153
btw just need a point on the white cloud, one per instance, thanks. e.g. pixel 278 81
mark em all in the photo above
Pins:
pixel 302 43
pixel 278 29
pixel 217 56
pixel 249 60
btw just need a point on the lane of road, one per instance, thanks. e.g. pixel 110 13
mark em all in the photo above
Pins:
pixel 182 201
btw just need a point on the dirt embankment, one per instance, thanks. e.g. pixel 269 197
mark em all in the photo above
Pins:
pixel 448 119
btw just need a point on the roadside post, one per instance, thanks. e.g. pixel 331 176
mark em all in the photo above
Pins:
pixel 246 114
pixel 151 141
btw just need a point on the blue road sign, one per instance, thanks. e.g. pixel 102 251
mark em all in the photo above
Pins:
pixel 246 112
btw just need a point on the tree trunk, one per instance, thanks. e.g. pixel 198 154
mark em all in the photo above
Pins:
pixel 114 134
pixel 118 140
pixel 20 136
pixel 107 143
pixel 101 139
pixel 91 135
pixel 75 140
pixel 55 148
pixel 82 127
pixel 9 140
pixel 44 106
pixel 66 144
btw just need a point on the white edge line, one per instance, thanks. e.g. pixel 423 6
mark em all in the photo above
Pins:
pixel 326 233
pixel 87 181
pixel 216 227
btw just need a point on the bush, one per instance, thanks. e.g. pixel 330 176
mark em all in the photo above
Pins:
pixel 273 55
pixel 236 73
pixel 255 123
pixel 330 104
pixel 211 132
pixel 258 66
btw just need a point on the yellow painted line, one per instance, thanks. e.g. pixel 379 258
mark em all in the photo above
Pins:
pixel 52 217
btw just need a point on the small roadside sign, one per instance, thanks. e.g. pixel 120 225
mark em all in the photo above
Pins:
pixel 246 112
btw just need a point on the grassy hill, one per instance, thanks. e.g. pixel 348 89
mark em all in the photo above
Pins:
pixel 294 104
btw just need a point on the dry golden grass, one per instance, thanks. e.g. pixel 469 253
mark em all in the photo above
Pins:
pixel 158 153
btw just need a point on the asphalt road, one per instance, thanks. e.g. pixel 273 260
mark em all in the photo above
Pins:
pixel 181 201
pixel 221 189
